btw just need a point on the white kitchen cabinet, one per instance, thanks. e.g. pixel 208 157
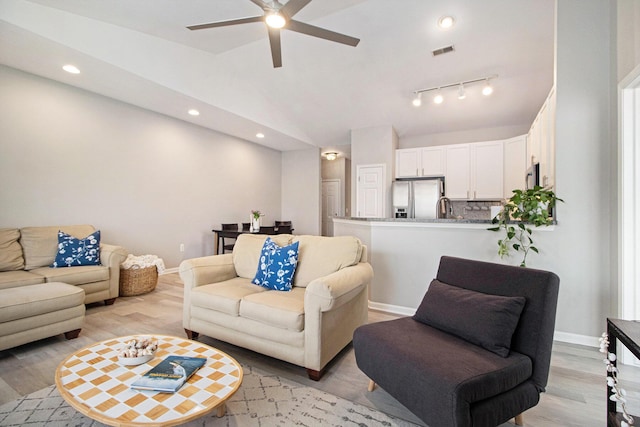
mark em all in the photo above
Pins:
pixel 433 161
pixel 457 171
pixel 418 162
pixel 515 164
pixel 408 162
pixel 541 141
pixel 487 163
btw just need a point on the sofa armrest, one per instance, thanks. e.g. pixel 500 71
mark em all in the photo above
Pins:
pixel 331 291
pixel 210 269
pixel 112 256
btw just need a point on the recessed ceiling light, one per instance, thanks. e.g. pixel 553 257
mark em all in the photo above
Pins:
pixel 194 112
pixel 446 22
pixel 260 135
pixel 71 69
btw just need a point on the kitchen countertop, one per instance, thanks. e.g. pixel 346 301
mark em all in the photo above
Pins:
pixel 421 220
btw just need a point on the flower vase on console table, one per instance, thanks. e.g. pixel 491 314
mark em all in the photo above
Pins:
pixel 255 222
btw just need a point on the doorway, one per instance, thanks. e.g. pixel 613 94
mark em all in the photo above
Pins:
pixel 331 204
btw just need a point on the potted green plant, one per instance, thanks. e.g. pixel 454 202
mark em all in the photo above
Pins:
pixel 533 206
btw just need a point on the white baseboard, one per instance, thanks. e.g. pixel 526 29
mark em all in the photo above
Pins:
pixel 566 337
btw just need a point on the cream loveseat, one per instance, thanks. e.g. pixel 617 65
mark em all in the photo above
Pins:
pixel 306 326
pixel 27 253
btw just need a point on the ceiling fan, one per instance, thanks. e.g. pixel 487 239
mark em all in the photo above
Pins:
pixel 278 16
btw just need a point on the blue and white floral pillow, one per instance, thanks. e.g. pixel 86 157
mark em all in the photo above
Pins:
pixel 277 266
pixel 73 252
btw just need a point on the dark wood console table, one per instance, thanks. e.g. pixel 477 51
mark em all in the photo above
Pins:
pixel 628 333
pixel 219 234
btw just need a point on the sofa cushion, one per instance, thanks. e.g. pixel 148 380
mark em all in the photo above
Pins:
pixel 482 319
pixel 283 310
pixel 10 250
pixel 246 251
pixel 40 244
pixel 276 266
pixel 73 251
pixel 13 279
pixel 224 296
pixel 34 300
pixel 74 276
pixel 320 256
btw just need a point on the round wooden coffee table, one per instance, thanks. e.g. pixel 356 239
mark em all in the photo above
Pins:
pixel 93 382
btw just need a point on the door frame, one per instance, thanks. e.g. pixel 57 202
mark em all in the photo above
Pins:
pixel 384 187
pixel 340 199
pixel 628 302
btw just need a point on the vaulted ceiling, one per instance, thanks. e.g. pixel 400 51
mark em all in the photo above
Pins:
pixel 140 52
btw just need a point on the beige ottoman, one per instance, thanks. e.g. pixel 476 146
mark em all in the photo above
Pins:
pixel 29 313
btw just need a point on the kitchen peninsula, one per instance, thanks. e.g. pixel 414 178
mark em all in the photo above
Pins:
pixel 405 253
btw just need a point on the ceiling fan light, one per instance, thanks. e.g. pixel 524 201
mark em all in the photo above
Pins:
pixel 487 89
pixel 275 20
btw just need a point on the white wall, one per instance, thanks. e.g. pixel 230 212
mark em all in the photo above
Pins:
pixel 301 190
pixel 374 145
pixel 628 36
pixel 149 182
pixel 463 137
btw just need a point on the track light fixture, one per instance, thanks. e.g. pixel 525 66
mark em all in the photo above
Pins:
pixel 462 94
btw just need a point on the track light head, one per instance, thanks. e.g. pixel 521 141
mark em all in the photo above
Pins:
pixel 487 89
pixel 438 99
pixel 417 101
pixel 461 92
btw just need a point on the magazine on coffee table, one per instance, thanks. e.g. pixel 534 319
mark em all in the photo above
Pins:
pixel 170 374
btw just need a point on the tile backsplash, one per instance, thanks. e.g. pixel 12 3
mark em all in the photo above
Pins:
pixel 469 209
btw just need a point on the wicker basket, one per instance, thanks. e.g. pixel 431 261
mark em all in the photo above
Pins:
pixel 136 280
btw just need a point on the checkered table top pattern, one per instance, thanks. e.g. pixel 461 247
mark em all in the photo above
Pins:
pixel 93 382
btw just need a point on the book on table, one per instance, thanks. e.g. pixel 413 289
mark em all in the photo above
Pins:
pixel 170 374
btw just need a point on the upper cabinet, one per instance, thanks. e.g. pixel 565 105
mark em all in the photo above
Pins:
pixel 515 165
pixel 541 141
pixel 487 174
pixel 419 162
pixel 457 172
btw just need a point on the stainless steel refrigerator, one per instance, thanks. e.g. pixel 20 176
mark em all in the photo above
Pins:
pixel 417 198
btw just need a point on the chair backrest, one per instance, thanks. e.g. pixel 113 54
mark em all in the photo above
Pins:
pixel 233 226
pixel 246 226
pixel 534 333
pixel 283 223
pixel 283 229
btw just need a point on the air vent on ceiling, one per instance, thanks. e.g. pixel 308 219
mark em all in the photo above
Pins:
pixel 443 50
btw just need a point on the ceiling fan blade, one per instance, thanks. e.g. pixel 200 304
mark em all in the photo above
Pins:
pixel 227 23
pixel 292 7
pixel 260 3
pixel 276 50
pixel 311 30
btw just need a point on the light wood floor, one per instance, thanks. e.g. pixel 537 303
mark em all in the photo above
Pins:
pixel 575 396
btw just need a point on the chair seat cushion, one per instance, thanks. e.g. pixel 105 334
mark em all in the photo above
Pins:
pixel 408 358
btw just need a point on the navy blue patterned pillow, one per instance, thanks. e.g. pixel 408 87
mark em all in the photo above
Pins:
pixel 73 252
pixel 276 266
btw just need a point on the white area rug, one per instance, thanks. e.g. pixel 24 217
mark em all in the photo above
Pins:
pixel 262 400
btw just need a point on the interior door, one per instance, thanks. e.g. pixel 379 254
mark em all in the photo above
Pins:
pixel 331 204
pixel 370 195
